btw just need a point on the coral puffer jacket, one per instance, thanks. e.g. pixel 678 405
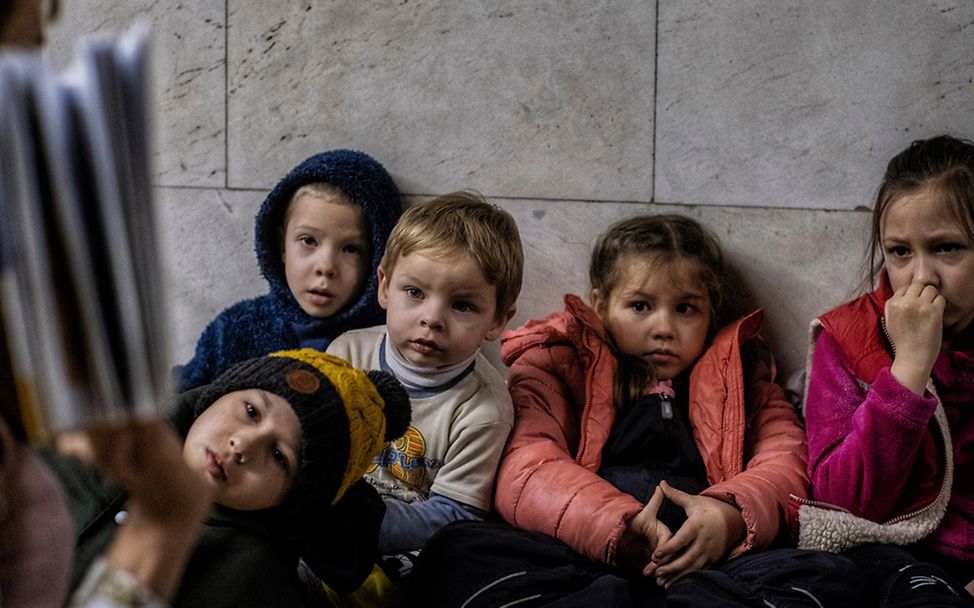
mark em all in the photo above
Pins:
pixel 561 381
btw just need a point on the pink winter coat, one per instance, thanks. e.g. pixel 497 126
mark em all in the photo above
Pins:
pixel 561 381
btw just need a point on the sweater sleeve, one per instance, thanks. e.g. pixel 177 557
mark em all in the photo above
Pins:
pixel 863 441
pixel 408 525
pixel 540 486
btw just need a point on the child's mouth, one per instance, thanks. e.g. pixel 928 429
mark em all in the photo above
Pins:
pixel 425 347
pixel 214 466
pixel 320 296
pixel 661 356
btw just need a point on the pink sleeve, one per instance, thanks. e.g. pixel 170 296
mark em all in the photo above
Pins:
pixel 862 441
pixel 540 486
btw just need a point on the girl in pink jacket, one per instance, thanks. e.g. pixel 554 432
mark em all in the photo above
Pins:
pixel 890 404
pixel 652 453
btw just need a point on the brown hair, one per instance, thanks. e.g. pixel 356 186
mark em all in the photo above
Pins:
pixel 463 221
pixel 944 164
pixel 661 239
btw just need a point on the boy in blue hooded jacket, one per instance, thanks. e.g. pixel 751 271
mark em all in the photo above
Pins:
pixel 319 236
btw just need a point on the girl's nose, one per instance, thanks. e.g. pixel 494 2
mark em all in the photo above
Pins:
pixel 925 271
pixel 663 325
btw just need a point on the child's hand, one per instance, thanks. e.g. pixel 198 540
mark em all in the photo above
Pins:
pixel 711 529
pixel 915 323
pixel 643 534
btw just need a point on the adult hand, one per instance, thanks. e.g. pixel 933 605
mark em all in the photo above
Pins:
pixel 167 500
pixel 711 529
pixel 915 323
pixel 145 458
pixel 643 534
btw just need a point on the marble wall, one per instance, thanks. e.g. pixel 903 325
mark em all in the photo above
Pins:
pixel 769 121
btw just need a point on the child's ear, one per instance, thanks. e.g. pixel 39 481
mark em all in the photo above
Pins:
pixel 598 301
pixel 500 324
pixel 383 288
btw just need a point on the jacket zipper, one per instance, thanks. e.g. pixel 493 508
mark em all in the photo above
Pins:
pixel 882 325
pixel 818 503
pixel 666 407
pixel 832 507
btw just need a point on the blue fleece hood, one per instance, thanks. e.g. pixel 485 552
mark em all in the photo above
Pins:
pixel 367 184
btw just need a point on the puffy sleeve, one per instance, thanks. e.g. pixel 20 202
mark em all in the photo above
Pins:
pixel 774 457
pixel 540 486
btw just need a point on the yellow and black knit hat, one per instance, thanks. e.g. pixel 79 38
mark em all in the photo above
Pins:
pixel 346 415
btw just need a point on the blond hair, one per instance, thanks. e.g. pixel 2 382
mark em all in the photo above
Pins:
pixel 463 221
pixel 319 190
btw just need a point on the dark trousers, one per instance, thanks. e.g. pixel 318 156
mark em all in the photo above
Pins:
pixel 489 564
pixel 897 578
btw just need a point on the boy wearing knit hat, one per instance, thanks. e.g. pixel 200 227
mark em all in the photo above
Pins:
pixel 283 441
pixel 319 236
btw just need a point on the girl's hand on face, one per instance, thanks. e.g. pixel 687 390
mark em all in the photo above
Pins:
pixel 643 534
pixel 915 323
pixel 711 529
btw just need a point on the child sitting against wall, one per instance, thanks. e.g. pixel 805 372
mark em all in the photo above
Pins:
pixel 890 403
pixel 282 442
pixel 652 455
pixel 449 280
pixel 319 236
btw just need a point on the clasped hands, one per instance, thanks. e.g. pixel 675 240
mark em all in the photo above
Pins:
pixel 712 527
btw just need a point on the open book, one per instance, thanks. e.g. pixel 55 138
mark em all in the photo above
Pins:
pixel 84 327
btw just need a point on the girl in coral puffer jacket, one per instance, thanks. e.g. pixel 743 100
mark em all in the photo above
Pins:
pixel 651 455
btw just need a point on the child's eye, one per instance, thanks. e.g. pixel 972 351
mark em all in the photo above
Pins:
pixel 949 247
pixel 414 292
pixel 685 309
pixel 898 251
pixel 251 410
pixel 279 457
pixel 308 240
pixel 463 306
pixel 640 306
pixel 354 249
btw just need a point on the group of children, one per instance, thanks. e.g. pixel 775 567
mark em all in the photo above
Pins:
pixel 639 453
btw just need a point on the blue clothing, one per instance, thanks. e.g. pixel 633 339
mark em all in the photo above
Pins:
pixel 408 525
pixel 275 321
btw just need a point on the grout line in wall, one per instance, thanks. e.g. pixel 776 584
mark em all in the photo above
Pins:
pixel 226 94
pixel 861 209
pixel 652 193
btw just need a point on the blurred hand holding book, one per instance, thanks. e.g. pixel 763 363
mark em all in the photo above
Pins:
pixel 84 317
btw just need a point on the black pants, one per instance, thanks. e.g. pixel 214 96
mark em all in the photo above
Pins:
pixel 897 578
pixel 487 565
